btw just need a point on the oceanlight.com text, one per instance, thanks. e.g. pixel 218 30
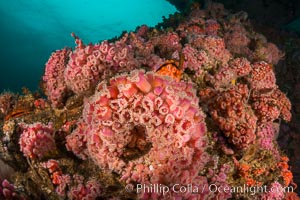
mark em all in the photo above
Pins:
pixel 206 188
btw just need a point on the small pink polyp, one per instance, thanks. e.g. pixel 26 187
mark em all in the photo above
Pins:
pixel 129 90
pixel 107 132
pixel 158 90
pixel 143 84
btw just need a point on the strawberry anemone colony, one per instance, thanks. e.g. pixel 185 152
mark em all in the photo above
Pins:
pixel 187 107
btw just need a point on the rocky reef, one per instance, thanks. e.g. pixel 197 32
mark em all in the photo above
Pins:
pixel 190 109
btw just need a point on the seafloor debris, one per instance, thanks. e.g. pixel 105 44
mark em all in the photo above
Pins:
pixel 115 126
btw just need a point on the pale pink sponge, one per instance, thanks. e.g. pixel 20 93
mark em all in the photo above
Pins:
pixel 146 127
pixel 55 86
pixel 37 140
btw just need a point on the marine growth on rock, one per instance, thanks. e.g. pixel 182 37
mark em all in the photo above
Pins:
pixel 113 125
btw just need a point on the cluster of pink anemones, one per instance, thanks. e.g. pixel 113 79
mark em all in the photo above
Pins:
pixel 37 140
pixel 76 142
pixel 8 191
pixel 262 76
pixel 90 63
pixel 166 43
pixel 146 127
pixel 194 60
pixel 213 45
pixel 55 86
pixel 271 105
pixel 268 52
pixel 227 74
pixel 232 114
pixel 266 135
pixel 237 40
pixel 73 187
pixel 85 191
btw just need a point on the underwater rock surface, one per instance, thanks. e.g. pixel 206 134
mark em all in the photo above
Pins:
pixel 188 110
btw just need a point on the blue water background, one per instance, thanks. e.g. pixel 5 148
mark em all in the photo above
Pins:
pixel 31 29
